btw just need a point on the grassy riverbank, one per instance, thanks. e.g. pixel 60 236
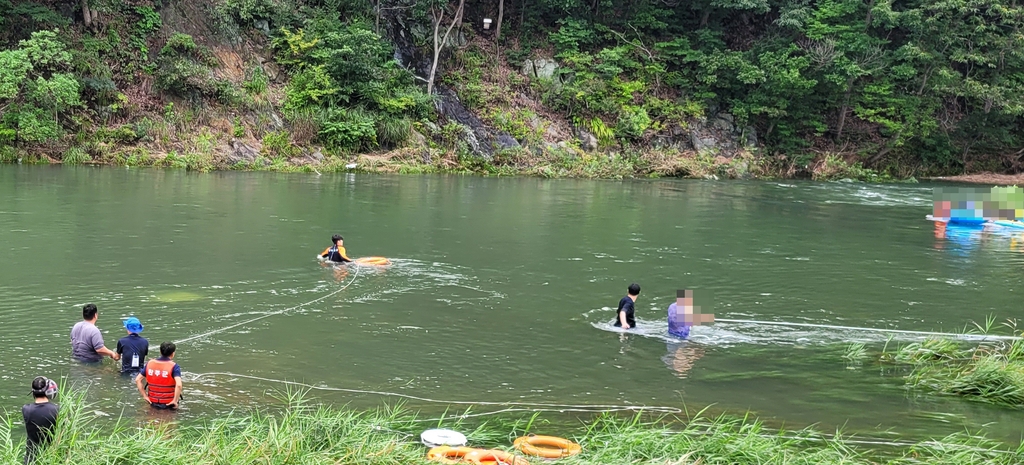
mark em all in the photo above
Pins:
pixel 311 434
pixel 557 164
pixel 991 372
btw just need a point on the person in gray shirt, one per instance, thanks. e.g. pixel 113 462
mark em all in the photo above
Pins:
pixel 86 340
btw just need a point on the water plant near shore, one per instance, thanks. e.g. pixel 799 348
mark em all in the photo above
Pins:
pixel 307 433
pixel 991 373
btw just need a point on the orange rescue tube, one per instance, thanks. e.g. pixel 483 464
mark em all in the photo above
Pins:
pixel 549 447
pixel 372 261
pixel 445 454
pixel 494 457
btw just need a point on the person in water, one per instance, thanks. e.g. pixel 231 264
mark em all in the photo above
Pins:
pixel 336 253
pixel 39 416
pixel 86 340
pixel 132 348
pixel 683 315
pixel 163 379
pixel 624 314
pixel 678 323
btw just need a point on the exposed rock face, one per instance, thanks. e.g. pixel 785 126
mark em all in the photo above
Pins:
pixel 720 135
pixel 482 140
pixel 241 153
pixel 588 142
pixel 540 67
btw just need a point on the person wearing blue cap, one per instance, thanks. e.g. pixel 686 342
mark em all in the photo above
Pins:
pixel 132 348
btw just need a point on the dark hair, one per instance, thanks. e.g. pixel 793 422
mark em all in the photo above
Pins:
pixel 167 349
pixel 634 289
pixel 88 311
pixel 335 238
pixel 39 386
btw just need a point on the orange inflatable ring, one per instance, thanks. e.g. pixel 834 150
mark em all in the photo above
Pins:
pixel 549 447
pixel 494 456
pixel 445 454
pixel 372 261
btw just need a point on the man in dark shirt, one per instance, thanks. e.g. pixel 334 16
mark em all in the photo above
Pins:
pixel 624 314
pixel 132 348
pixel 40 417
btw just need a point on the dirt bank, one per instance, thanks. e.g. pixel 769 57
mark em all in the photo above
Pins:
pixel 985 178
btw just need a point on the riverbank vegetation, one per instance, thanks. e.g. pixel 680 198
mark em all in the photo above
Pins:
pixel 990 372
pixel 829 89
pixel 303 432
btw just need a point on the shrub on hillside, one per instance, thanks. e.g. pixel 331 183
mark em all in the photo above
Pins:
pixel 185 69
pixel 346 75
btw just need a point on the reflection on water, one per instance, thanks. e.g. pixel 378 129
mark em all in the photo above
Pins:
pixel 965 239
pixel 682 356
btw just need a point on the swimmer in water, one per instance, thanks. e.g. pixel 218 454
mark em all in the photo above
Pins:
pixel 624 314
pixel 682 315
pixel 335 253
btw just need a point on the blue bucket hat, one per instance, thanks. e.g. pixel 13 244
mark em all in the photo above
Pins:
pixel 133 324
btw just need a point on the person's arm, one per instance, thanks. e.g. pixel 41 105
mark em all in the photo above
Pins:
pixel 325 253
pixel 622 319
pixel 177 391
pixel 109 353
pixel 341 251
pixel 138 384
pixel 97 343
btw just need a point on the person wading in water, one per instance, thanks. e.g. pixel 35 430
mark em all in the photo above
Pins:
pixel 163 379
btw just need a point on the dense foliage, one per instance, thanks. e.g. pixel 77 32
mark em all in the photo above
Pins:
pixel 902 86
pixel 346 76
pixel 938 83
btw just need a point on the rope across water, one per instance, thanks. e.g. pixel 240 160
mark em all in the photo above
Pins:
pixel 210 333
pixel 880 330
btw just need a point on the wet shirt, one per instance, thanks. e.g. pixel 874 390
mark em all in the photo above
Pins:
pixel 85 339
pixel 39 421
pixel 335 254
pixel 676 322
pixel 625 305
pixel 133 349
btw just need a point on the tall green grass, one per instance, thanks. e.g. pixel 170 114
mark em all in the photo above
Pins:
pixel 991 373
pixel 305 433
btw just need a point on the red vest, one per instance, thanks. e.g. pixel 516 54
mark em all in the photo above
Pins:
pixel 160 381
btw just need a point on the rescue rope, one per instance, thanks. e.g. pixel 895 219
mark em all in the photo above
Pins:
pixel 880 330
pixel 278 312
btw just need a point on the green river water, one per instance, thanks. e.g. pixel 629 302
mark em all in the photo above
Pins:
pixel 501 290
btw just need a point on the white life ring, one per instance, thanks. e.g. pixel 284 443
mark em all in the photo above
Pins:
pixel 442 437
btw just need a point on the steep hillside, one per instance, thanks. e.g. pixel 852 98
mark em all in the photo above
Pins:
pixel 829 89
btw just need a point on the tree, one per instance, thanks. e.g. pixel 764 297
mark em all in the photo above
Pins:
pixel 86 14
pixel 34 90
pixel 438 12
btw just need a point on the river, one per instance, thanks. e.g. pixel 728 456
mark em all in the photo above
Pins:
pixel 501 290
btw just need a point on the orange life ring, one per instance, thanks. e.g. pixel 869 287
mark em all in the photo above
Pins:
pixel 373 261
pixel 494 456
pixel 549 447
pixel 445 454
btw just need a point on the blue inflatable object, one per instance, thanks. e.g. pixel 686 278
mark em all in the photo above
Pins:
pixel 967 221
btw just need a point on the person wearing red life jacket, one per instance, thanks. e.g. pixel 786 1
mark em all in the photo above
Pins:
pixel 163 379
